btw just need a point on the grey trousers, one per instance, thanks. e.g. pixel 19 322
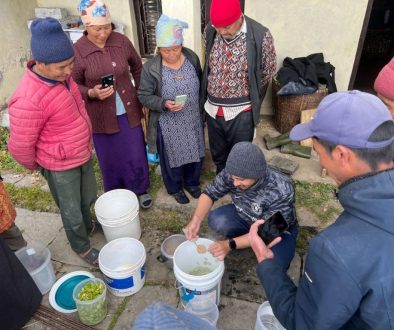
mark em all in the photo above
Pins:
pixel 74 192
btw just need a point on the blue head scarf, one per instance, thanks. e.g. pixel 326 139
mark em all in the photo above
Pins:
pixel 169 31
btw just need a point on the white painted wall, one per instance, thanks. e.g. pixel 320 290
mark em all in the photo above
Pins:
pixel 301 28
pixel 15 44
pixel 187 11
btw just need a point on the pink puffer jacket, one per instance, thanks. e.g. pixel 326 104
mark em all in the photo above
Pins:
pixel 49 125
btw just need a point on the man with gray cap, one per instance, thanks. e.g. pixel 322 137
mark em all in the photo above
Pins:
pixel 51 131
pixel 348 281
pixel 257 192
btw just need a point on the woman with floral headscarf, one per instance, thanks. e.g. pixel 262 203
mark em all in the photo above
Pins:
pixel 115 111
pixel 175 127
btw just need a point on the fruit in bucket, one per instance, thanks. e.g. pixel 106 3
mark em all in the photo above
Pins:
pixel 90 301
pixel 90 291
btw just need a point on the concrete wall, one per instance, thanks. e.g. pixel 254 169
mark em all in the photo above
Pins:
pixel 15 44
pixel 314 26
pixel 122 11
pixel 301 28
pixel 187 11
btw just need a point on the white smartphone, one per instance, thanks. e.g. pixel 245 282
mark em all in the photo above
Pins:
pixel 180 99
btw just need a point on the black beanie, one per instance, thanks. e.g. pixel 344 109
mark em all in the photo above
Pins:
pixel 49 43
pixel 246 160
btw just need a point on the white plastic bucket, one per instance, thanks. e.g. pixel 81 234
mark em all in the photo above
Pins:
pixel 91 312
pixel 36 258
pixel 266 319
pixel 198 288
pixel 122 261
pixel 118 213
pixel 207 311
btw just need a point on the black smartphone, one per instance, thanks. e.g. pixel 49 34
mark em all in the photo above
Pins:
pixel 273 227
pixel 107 81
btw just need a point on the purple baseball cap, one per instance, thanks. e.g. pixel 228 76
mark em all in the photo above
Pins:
pixel 346 118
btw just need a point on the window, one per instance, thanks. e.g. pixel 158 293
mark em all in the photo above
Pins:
pixel 147 14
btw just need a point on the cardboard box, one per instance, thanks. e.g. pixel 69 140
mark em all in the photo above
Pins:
pixel 58 13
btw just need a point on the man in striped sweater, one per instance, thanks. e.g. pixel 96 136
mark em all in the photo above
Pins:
pixel 240 61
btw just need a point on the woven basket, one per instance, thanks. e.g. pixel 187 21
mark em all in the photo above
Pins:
pixel 288 108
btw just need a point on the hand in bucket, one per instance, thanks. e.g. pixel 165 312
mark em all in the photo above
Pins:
pixel 200 247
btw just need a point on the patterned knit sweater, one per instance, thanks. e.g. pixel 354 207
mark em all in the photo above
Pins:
pixel 228 82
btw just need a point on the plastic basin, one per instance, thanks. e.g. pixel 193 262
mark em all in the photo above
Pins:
pixel 93 311
pixel 36 258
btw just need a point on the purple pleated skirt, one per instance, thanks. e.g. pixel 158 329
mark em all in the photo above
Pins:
pixel 122 158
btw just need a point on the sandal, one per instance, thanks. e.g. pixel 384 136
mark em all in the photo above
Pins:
pixel 145 200
pixel 91 256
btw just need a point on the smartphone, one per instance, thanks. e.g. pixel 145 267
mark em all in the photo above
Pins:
pixel 180 99
pixel 107 81
pixel 273 227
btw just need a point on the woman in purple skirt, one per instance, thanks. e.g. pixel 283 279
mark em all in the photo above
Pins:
pixel 113 108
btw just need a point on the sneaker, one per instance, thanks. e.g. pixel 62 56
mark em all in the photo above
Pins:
pixel 194 191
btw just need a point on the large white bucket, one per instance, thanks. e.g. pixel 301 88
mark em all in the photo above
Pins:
pixel 118 213
pixel 198 288
pixel 122 261
pixel 266 319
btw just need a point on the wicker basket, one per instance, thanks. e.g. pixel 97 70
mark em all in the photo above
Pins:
pixel 287 109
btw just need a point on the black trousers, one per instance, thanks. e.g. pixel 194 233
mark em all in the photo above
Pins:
pixel 224 134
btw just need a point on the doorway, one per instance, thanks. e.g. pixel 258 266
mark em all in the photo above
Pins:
pixel 376 46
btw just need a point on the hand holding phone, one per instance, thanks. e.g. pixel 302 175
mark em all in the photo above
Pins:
pixel 273 227
pixel 97 92
pixel 107 81
pixel 180 99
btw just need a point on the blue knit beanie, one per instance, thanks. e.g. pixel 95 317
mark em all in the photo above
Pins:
pixel 49 43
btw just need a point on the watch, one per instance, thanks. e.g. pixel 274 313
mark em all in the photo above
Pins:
pixel 232 244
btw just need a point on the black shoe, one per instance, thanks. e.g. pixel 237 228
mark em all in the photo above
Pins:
pixel 180 197
pixel 195 191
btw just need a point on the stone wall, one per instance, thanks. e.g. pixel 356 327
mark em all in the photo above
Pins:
pixel 15 47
